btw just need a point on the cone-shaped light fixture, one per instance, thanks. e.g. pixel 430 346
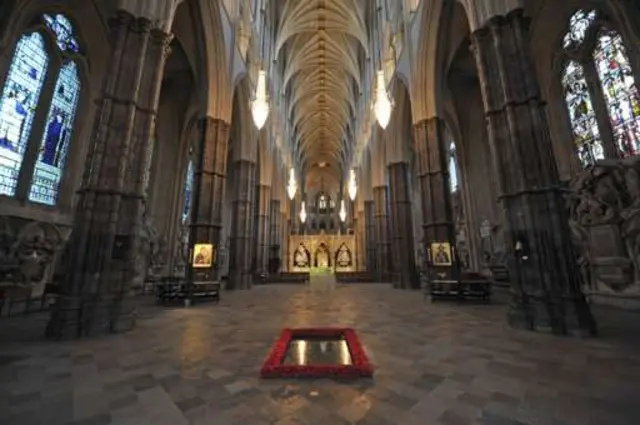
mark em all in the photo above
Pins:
pixel 353 186
pixel 383 105
pixel 260 105
pixel 343 211
pixel 303 212
pixel 292 186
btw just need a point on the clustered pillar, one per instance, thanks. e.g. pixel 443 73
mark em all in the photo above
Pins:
pixel 383 246
pixel 546 293
pixel 106 238
pixel 275 247
pixel 242 234
pixel 361 240
pixel 433 178
pixel 263 228
pixel 370 237
pixel 402 227
pixel 284 238
pixel 209 186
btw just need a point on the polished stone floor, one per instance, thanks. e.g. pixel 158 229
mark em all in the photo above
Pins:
pixel 443 364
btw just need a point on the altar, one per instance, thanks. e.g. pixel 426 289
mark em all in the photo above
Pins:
pixel 322 253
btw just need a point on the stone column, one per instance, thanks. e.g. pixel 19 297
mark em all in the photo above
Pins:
pixel 383 245
pixel 432 169
pixel 263 228
pixel 370 237
pixel 275 247
pixel 546 294
pixel 402 231
pixel 242 231
pixel 284 241
pixel 361 241
pixel 209 186
pixel 105 247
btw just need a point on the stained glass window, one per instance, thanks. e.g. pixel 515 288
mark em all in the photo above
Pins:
pixel 63 30
pixel 578 26
pixel 620 91
pixel 582 115
pixel 18 103
pixel 57 135
pixel 188 192
pixel 453 168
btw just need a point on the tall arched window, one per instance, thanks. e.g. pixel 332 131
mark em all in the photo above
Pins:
pixel 188 192
pixel 453 168
pixel 600 90
pixel 43 80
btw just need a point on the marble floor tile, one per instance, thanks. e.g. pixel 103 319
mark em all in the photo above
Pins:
pixel 441 364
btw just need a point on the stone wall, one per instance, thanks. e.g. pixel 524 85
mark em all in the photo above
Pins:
pixel 604 206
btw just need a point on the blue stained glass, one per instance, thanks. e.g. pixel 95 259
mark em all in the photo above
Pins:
pixel 63 29
pixel 18 103
pixel 453 168
pixel 584 125
pixel 188 192
pixel 620 91
pixel 57 136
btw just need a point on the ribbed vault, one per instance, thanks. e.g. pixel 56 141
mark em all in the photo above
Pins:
pixel 321 43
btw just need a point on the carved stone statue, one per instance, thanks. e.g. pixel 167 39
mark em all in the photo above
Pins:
pixel 604 217
pixel 27 255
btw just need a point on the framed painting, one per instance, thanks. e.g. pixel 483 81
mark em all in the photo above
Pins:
pixel 203 255
pixel 441 254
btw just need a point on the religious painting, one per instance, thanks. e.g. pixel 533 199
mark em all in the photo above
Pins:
pixel 203 255
pixel 343 257
pixel 441 254
pixel 302 257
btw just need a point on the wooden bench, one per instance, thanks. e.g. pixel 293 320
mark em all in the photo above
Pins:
pixel 470 286
pixel 179 289
pixel 203 290
pixel 500 273
pixel 170 289
pixel 355 277
pixel 299 278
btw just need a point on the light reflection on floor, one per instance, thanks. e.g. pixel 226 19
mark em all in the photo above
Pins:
pixel 309 351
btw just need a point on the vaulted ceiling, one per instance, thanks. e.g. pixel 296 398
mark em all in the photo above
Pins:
pixel 322 44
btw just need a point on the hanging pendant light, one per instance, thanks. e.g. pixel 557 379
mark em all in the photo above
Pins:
pixel 292 187
pixel 260 104
pixel 353 187
pixel 343 211
pixel 383 104
pixel 303 212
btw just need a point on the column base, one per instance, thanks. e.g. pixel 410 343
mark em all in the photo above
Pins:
pixel 239 281
pixel 79 317
pixel 570 317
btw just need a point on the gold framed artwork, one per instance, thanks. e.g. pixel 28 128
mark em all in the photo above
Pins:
pixel 203 255
pixel 441 254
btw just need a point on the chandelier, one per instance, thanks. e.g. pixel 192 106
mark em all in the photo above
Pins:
pixel 303 212
pixel 343 211
pixel 383 103
pixel 292 187
pixel 353 187
pixel 260 104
